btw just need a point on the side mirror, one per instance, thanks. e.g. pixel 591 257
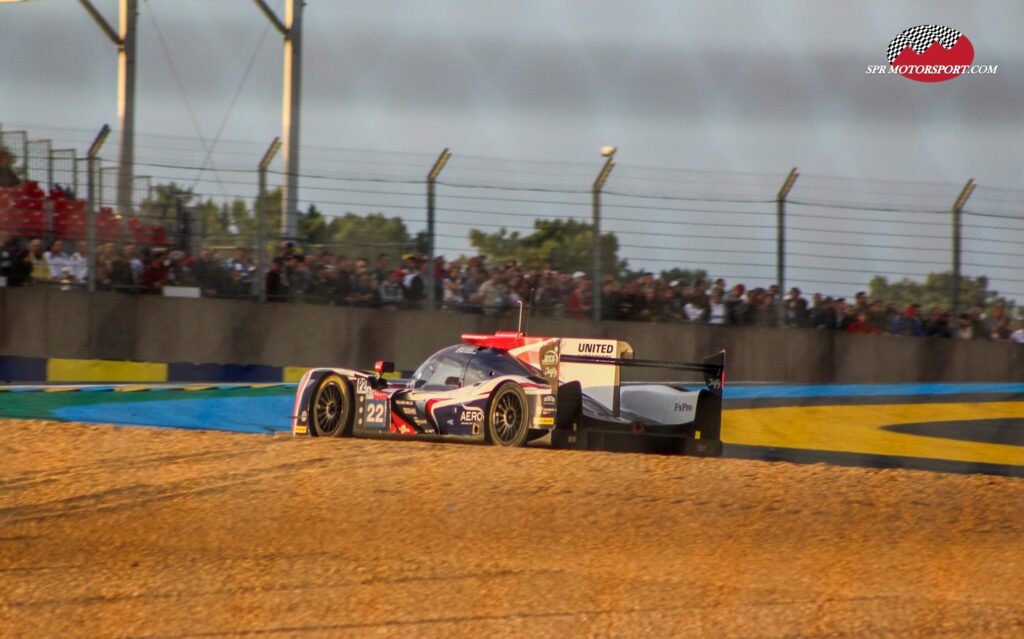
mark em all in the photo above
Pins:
pixel 381 368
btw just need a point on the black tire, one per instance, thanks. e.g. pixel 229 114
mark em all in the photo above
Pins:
pixel 331 409
pixel 508 416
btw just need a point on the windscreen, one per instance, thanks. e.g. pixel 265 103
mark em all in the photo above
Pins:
pixel 489 362
pixel 441 367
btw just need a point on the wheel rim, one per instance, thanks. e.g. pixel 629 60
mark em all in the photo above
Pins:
pixel 330 405
pixel 507 417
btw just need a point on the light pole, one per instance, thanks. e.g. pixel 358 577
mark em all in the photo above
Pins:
pixel 608 152
pixel 291 107
pixel 125 41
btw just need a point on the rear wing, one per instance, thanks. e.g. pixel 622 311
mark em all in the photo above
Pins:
pixel 713 367
pixel 553 361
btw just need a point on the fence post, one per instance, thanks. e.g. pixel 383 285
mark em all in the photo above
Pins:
pixel 608 152
pixel 90 210
pixel 780 243
pixel 431 179
pixel 957 208
pixel 258 283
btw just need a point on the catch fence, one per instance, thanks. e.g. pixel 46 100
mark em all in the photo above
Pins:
pixel 827 234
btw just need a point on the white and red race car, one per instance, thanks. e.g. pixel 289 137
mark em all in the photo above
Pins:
pixel 509 388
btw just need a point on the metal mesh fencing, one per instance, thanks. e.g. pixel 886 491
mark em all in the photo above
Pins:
pixel 840 233
pixel 64 164
pixel 39 163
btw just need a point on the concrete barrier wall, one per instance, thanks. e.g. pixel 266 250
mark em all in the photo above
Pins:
pixel 41 322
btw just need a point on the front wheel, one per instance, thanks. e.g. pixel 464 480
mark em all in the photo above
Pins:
pixel 508 416
pixel 331 409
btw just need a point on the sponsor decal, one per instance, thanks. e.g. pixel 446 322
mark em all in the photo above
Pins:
pixel 715 383
pixel 304 416
pixel 549 362
pixel 362 387
pixel 300 429
pixel 466 349
pixel 591 348
pixel 545 421
pixel 472 415
pixel 931 53
pixel 548 400
pixel 683 407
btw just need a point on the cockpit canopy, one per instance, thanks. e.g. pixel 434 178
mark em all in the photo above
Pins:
pixel 465 365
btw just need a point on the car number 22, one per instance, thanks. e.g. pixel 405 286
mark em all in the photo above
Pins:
pixel 377 413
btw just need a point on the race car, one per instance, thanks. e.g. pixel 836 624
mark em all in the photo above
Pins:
pixel 508 389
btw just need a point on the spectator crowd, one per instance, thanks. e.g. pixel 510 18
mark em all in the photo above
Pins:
pixel 472 285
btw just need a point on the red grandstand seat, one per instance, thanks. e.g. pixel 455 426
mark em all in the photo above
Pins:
pixel 32 222
pixel 29 204
pixel 8 221
pixel 5 202
pixel 61 224
pixel 33 190
pixel 76 225
pixel 108 227
pixel 139 232
pixel 23 209
pixel 158 235
pixel 31 219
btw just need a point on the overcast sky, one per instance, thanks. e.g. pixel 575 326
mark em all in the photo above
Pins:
pixel 711 86
pixel 750 86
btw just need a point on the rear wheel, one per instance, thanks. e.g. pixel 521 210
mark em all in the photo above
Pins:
pixel 331 409
pixel 508 416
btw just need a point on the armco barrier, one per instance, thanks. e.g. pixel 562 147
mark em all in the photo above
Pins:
pixel 37 322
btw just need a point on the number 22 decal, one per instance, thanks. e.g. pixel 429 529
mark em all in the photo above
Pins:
pixel 376 413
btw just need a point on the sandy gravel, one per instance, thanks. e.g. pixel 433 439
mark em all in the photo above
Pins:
pixel 131 532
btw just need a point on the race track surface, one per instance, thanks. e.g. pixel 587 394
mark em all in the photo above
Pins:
pixel 138 532
pixel 959 428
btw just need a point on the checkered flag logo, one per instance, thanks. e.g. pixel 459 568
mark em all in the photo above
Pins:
pixel 921 37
